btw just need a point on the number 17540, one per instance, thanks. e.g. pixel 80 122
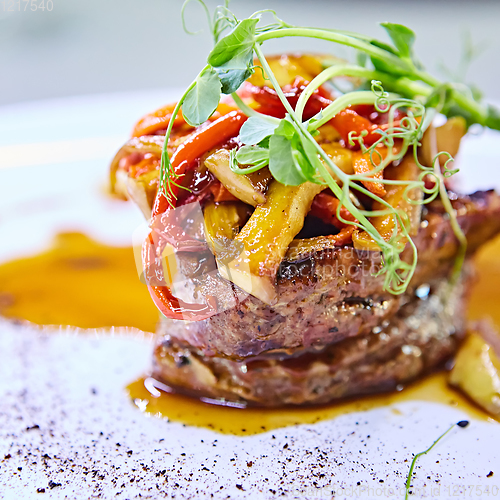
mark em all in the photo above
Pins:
pixel 26 5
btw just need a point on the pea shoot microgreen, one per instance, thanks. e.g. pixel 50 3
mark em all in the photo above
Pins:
pixel 462 424
pixel 395 79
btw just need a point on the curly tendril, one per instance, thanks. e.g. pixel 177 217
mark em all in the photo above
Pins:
pixel 408 131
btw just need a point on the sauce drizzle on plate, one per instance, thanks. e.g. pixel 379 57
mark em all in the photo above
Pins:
pixel 253 420
pixel 78 282
pixel 86 284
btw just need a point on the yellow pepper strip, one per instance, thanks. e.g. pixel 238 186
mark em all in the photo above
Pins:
pixel 265 238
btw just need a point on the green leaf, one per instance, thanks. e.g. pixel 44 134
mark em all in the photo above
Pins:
pixel 282 163
pixel 252 155
pixel 384 46
pixel 232 79
pixel 493 118
pixel 285 129
pixel 304 157
pixel 476 92
pixel 265 143
pixel 390 69
pixel 381 65
pixel 296 159
pixel 256 129
pixel 232 51
pixel 311 169
pixel 202 100
pixel 402 37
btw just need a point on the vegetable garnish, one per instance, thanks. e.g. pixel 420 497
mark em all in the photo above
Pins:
pixel 394 84
pixel 226 126
pixel 462 424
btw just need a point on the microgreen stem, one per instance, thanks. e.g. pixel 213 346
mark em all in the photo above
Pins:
pixel 252 112
pixel 443 194
pixel 407 85
pixel 401 85
pixel 476 111
pixel 328 74
pixel 342 102
pixel 233 165
pixel 166 174
pixel 272 78
pixel 417 456
pixel 341 38
pixel 389 253
pixel 457 230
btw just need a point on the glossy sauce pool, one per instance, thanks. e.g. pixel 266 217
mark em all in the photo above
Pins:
pixel 78 282
pixel 90 285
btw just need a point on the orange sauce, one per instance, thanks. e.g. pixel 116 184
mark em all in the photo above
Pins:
pixel 82 283
pixel 434 388
pixel 248 421
pixel 485 297
pixel 78 282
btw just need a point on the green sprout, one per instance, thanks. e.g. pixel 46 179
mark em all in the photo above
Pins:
pixel 287 146
pixel 462 424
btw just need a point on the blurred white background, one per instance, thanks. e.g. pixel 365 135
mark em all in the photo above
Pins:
pixel 100 46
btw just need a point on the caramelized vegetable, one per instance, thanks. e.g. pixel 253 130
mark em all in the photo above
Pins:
pixel 220 193
pixel 407 170
pixel 244 187
pixel 448 138
pixel 325 207
pixel 157 120
pixel 222 222
pixel 341 156
pixel 362 164
pixel 188 152
pixel 270 103
pixel 477 373
pixel 141 190
pixel 139 147
pixel 348 121
pixel 266 236
pixel 302 248
pixel 287 67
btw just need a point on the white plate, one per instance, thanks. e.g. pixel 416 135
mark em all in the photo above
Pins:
pixel 53 166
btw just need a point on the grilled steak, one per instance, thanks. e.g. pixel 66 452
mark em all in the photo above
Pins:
pixel 328 296
pixel 422 335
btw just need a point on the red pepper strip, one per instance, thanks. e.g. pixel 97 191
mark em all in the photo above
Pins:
pixel 221 193
pixel 349 121
pixel 362 164
pixel 188 152
pixel 205 139
pixel 170 306
pixel 175 308
pixel 369 112
pixel 148 163
pixel 271 104
pixel 324 206
pixel 343 237
pixel 344 122
pixel 157 120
